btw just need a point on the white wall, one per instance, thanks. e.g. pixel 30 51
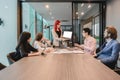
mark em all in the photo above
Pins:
pixel 113 16
pixel 8 31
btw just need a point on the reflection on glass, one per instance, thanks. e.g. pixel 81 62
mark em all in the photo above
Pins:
pixel 87 17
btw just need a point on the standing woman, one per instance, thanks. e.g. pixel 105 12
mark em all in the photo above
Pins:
pixel 57 33
pixel 24 48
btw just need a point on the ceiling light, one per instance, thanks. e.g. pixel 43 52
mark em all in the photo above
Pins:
pixel 76 12
pixel 89 6
pixel 82 13
pixel 82 4
pixel 47 6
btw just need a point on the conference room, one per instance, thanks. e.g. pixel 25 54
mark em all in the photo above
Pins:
pixel 63 60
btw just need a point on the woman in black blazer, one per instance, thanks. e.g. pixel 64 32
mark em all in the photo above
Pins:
pixel 24 48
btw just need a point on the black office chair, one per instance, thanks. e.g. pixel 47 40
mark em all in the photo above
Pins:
pixel 117 69
pixel 2 66
pixel 10 58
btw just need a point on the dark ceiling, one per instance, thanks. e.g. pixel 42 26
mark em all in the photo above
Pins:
pixel 62 0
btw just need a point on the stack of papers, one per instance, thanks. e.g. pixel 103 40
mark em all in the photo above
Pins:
pixel 62 51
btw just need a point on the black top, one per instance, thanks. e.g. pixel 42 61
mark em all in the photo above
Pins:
pixel 23 50
pixel 58 33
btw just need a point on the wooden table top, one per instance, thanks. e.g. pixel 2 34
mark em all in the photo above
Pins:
pixel 58 67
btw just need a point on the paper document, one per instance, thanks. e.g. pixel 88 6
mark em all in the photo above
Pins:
pixel 61 51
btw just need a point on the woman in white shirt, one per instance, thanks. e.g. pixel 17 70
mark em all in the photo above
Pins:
pixel 38 43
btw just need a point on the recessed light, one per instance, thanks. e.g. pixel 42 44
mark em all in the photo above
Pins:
pixel 47 6
pixel 82 4
pixel 89 6
pixel 82 13
pixel 76 12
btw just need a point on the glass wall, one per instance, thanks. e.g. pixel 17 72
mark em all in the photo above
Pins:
pixel 46 29
pixel 37 18
pixel 39 23
pixel 33 22
pixel 88 15
pixel 28 19
pixel 73 16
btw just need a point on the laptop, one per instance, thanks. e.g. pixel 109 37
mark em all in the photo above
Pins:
pixel 67 35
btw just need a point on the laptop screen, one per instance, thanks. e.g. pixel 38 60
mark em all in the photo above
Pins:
pixel 67 34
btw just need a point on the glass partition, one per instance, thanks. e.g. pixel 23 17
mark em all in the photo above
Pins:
pixel 74 16
pixel 89 15
pixel 39 23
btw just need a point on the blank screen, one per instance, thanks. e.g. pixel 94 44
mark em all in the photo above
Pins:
pixel 67 34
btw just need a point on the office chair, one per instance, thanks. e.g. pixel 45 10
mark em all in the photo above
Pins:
pixel 117 69
pixel 2 66
pixel 10 58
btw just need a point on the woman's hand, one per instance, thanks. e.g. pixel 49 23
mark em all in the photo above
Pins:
pixel 48 50
pixel 77 45
pixel 35 53
pixel 81 46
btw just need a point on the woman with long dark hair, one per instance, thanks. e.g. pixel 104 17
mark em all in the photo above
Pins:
pixel 24 48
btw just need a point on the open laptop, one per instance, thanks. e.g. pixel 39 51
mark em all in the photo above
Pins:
pixel 67 35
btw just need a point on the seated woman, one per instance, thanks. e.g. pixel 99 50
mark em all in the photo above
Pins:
pixel 24 48
pixel 41 43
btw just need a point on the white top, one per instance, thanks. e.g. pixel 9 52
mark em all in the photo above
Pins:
pixel 90 45
pixel 55 38
pixel 37 45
